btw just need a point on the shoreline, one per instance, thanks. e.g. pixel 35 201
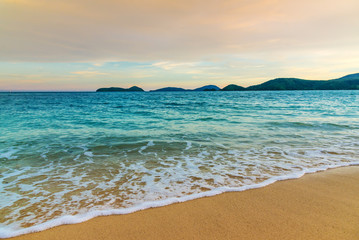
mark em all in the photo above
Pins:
pixel 322 205
pixel 76 219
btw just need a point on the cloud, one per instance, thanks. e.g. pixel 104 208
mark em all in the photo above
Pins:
pixel 86 44
pixel 89 73
pixel 174 65
pixel 174 31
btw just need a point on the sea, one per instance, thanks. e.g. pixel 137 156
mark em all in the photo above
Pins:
pixel 66 157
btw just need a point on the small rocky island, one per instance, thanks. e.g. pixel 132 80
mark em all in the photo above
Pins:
pixel 177 89
pixel 118 89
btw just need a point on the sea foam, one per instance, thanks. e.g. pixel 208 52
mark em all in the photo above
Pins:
pixel 73 219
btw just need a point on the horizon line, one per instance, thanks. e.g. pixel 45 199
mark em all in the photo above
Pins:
pixel 149 90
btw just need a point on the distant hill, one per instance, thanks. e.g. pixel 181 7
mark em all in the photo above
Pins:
pixel 169 89
pixel 233 87
pixel 117 89
pixel 350 76
pixel 349 82
pixel 288 84
pixel 207 88
pixel 176 89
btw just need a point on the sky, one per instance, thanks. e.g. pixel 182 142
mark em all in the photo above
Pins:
pixel 82 45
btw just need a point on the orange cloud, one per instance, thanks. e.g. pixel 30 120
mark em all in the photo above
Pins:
pixel 242 40
pixel 155 30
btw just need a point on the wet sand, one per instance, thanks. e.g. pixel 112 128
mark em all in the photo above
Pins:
pixel 322 205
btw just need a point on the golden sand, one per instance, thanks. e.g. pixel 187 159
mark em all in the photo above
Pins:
pixel 323 205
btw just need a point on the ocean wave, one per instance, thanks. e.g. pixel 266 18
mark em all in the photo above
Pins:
pixel 74 219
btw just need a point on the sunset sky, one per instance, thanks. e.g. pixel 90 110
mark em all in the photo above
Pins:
pixel 86 44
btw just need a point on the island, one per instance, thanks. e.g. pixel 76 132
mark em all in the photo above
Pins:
pixel 207 88
pixel 348 82
pixel 118 89
pixel 177 89
pixel 233 87
pixel 169 89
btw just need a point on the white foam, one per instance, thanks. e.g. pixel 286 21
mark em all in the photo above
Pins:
pixel 88 153
pixel 189 145
pixel 149 144
pixel 7 232
pixel 9 154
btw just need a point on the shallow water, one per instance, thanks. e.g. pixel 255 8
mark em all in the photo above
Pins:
pixel 66 157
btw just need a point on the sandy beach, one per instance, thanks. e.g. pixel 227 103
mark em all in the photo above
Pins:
pixel 322 205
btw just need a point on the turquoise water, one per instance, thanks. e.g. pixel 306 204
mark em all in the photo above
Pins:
pixel 67 157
